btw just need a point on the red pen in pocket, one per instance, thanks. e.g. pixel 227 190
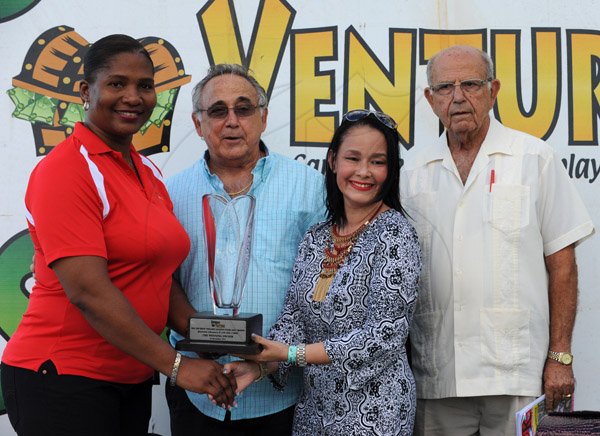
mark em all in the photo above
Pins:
pixel 492 178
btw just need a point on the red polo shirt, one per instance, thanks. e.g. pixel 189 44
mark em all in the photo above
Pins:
pixel 83 199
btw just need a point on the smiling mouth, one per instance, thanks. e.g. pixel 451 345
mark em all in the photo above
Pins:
pixel 129 114
pixel 361 186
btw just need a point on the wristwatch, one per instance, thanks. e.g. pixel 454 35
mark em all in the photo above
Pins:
pixel 561 357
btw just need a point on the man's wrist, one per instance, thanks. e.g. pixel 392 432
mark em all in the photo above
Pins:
pixel 263 371
pixel 562 357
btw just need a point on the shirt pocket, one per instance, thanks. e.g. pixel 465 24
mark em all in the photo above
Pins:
pixel 277 236
pixel 506 208
pixel 505 339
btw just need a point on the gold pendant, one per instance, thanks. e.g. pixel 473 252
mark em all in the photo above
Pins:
pixel 322 287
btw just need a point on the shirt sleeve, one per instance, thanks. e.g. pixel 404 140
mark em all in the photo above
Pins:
pixel 65 211
pixel 290 327
pixel 365 353
pixel 319 210
pixel 564 217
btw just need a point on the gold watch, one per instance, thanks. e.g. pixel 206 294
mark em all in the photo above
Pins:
pixel 561 357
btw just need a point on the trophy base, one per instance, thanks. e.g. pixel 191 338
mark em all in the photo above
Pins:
pixel 210 333
pixel 200 347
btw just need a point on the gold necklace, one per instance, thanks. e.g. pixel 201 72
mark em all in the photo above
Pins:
pixel 233 194
pixel 335 256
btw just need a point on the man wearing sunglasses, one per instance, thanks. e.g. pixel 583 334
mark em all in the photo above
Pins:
pixel 498 219
pixel 230 114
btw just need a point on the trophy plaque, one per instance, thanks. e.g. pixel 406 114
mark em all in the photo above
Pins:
pixel 228 228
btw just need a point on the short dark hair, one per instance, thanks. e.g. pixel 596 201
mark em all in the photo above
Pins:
pixel 221 70
pixel 390 190
pixel 102 51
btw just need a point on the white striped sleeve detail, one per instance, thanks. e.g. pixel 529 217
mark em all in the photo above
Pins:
pixel 98 179
pixel 29 217
pixel 153 167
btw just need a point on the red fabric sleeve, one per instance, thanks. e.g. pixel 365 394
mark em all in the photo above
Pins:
pixel 66 208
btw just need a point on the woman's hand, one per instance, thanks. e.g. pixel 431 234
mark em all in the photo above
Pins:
pixel 272 351
pixel 208 377
pixel 245 373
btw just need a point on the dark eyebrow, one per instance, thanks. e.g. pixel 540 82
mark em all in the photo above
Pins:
pixel 243 99
pixel 116 76
pixel 127 78
pixel 353 151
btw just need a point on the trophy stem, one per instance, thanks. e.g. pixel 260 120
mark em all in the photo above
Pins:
pixel 225 311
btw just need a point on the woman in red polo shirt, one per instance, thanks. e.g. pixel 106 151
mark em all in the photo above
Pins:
pixel 106 244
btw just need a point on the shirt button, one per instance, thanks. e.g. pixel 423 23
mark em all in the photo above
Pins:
pixel 460 238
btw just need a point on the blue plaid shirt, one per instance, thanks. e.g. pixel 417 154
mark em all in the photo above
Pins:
pixel 289 199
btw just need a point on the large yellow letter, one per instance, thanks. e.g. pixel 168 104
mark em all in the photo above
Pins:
pixel 583 51
pixel 434 41
pixel 221 35
pixel 311 86
pixel 541 118
pixel 369 83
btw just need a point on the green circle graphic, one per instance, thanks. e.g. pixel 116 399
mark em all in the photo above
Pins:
pixel 10 9
pixel 15 259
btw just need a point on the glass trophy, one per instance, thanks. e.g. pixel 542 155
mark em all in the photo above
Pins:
pixel 228 229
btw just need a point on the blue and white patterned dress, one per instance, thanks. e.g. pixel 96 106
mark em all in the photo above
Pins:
pixel 368 388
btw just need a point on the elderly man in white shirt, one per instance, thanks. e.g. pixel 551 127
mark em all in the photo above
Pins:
pixel 498 220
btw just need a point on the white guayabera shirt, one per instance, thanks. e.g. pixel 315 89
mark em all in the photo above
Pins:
pixel 481 324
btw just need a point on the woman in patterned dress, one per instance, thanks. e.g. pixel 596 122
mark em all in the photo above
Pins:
pixel 351 297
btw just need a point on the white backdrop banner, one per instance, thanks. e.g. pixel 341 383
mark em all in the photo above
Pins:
pixel 316 60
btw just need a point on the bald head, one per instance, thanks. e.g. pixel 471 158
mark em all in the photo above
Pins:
pixel 461 52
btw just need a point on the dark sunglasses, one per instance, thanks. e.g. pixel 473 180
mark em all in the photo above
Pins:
pixel 220 111
pixel 359 114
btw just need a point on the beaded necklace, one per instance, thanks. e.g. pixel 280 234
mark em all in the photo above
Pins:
pixel 335 256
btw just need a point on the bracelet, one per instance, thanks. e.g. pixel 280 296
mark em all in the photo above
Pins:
pixel 175 370
pixel 292 355
pixel 264 369
pixel 301 355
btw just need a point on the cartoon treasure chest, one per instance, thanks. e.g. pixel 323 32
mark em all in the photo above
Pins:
pixel 46 92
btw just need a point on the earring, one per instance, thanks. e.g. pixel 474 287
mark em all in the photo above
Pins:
pixel 86 105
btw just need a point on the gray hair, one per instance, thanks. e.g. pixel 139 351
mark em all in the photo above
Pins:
pixel 487 60
pixel 221 70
